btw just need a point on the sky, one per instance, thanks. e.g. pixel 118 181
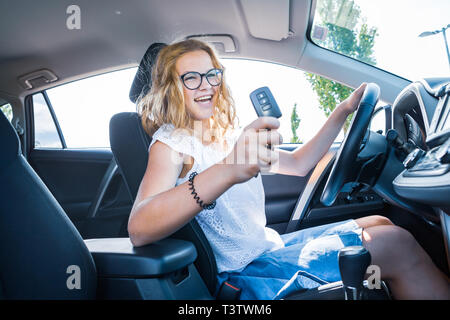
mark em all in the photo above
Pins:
pixel 398 49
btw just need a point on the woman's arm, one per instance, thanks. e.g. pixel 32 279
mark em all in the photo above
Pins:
pixel 300 161
pixel 161 209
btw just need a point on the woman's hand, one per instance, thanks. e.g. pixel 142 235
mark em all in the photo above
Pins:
pixel 350 104
pixel 250 154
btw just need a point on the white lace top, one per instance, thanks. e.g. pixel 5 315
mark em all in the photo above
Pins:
pixel 236 226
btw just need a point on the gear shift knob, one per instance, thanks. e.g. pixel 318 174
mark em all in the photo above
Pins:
pixel 353 263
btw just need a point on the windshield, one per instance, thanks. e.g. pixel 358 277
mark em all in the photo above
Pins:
pixel 404 37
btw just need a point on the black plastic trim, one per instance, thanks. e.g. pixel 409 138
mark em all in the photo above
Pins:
pixel 55 119
pixel 116 257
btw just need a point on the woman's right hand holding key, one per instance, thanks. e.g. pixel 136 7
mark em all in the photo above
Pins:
pixel 250 154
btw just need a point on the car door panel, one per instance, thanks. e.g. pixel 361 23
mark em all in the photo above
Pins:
pixel 77 180
pixel 281 195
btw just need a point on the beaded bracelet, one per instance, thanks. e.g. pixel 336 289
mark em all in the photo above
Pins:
pixel 196 197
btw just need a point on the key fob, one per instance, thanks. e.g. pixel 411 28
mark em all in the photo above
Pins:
pixel 264 103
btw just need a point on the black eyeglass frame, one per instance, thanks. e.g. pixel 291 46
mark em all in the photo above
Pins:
pixel 201 78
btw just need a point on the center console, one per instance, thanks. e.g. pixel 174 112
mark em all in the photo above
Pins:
pixel 160 271
pixel 426 177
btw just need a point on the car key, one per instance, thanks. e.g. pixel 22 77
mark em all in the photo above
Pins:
pixel 265 105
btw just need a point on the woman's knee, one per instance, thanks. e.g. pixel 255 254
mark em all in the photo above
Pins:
pixel 390 244
pixel 374 220
pixel 392 235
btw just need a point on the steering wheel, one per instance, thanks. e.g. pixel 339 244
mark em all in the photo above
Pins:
pixel 350 147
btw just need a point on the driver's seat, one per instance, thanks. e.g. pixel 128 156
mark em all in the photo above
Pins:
pixel 131 158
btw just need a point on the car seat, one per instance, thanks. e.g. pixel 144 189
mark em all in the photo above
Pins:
pixel 131 159
pixel 42 255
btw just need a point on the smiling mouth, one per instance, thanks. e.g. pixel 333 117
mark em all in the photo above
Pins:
pixel 203 98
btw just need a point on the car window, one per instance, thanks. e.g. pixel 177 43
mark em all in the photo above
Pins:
pixel 7 110
pixel 378 122
pixel 303 98
pixel 83 108
pixel 405 37
pixel 45 131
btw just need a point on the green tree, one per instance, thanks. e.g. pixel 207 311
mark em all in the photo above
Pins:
pixel 341 17
pixel 295 122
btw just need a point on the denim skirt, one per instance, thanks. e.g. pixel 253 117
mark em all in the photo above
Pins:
pixel 308 259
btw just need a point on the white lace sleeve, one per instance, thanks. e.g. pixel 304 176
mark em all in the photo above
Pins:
pixel 177 140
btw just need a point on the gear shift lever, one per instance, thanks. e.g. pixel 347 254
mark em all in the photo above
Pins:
pixel 353 263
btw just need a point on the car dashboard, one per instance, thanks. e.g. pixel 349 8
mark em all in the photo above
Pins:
pixel 426 126
pixel 426 177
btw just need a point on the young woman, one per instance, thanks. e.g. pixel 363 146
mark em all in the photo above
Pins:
pixel 200 167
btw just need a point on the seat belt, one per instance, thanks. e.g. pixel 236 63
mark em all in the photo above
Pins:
pixel 228 292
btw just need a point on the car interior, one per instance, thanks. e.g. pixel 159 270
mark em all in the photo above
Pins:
pixel 64 211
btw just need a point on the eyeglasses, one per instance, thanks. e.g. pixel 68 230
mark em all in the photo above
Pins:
pixel 193 80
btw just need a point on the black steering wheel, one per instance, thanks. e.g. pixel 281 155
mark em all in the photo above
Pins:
pixel 350 147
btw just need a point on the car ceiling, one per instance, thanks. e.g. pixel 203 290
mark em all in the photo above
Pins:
pixel 114 34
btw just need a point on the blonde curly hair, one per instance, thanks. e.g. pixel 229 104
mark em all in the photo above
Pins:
pixel 164 103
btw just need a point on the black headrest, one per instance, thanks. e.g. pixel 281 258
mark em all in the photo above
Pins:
pixel 10 145
pixel 143 79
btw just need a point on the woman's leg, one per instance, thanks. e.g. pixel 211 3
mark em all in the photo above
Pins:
pixel 403 263
pixel 372 221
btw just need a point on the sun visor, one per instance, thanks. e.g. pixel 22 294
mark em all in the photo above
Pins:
pixel 267 19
